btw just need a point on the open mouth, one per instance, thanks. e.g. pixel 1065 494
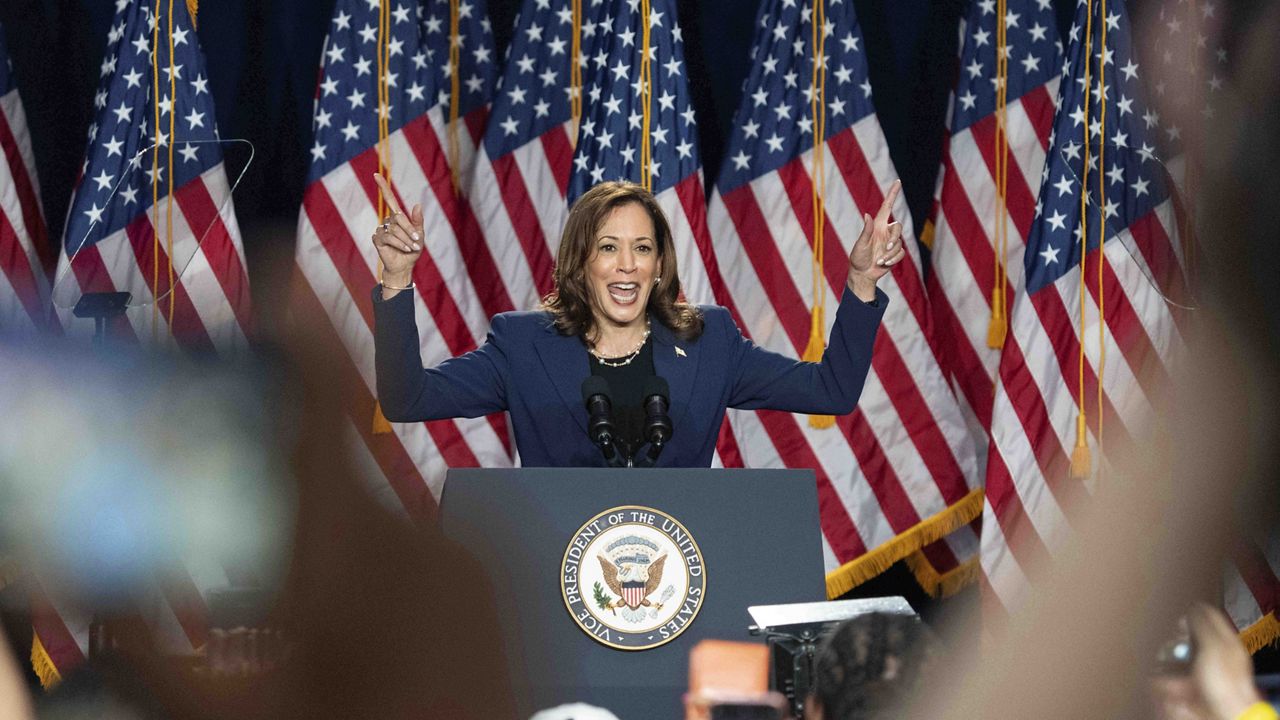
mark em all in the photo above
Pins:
pixel 624 293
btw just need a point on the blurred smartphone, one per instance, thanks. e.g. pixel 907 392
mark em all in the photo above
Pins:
pixel 730 681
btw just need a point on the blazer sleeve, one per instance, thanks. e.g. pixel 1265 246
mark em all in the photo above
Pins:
pixel 469 385
pixel 761 379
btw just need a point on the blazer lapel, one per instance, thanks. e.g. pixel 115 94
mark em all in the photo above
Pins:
pixel 675 361
pixel 565 361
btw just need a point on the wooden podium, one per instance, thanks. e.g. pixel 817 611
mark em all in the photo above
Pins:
pixel 757 542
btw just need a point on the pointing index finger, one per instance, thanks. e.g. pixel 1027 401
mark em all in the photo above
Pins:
pixel 887 207
pixel 387 193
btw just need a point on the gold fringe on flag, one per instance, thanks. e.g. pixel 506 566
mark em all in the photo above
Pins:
pixel 1264 632
pixel 43 664
pixel 192 7
pixel 877 560
pixel 946 584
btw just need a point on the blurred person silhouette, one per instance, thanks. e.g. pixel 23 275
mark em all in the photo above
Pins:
pixel 15 703
pixel 383 617
pixel 387 619
pixel 869 666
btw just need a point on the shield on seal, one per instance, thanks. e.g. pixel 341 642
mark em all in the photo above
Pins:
pixel 633 594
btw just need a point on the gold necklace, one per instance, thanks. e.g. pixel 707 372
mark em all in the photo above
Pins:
pixel 626 359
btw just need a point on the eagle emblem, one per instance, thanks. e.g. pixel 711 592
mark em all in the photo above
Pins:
pixel 633 577
pixel 633 574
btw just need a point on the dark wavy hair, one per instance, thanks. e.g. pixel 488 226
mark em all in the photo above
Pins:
pixel 871 665
pixel 570 302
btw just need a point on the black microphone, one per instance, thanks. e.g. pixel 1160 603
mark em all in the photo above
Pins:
pixel 657 421
pixel 595 395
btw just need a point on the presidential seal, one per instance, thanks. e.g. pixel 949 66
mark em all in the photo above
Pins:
pixel 633 578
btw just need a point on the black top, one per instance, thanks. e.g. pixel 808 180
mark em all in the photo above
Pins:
pixel 626 388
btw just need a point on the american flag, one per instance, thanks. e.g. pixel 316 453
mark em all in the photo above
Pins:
pixel 900 471
pixel 965 214
pixel 338 266
pixel 1132 212
pixel 25 257
pixel 189 288
pixel 968 211
pixel 117 238
pixel 611 138
pixel 520 181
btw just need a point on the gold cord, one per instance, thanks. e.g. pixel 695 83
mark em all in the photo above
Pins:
pixel 646 95
pixel 575 70
pixel 998 329
pixel 1081 462
pixel 1102 223
pixel 818 191
pixel 455 92
pixel 173 139
pixel 155 173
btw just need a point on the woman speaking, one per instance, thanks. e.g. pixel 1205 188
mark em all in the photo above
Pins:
pixel 615 315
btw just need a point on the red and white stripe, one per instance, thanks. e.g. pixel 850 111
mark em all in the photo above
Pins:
pixel 169 608
pixel 459 288
pixel 210 293
pixel 25 257
pixel 905 455
pixel 963 256
pixel 1251 582
pixel 1030 497
pixel 963 252
pixel 519 199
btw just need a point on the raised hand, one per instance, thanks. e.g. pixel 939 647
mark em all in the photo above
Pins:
pixel 398 241
pixel 877 249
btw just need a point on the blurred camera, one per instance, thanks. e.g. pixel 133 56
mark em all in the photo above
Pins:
pixel 771 709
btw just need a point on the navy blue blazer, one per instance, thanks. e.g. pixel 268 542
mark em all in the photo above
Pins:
pixel 529 369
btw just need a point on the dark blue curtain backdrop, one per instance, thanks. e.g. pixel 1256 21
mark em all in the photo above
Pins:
pixel 263 58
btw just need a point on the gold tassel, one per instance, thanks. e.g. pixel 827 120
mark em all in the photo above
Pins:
pixel 926 235
pixel 380 424
pixel 813 353
pixel 1081 462
pixel 999 325
pixel 192 7
pixel 43 664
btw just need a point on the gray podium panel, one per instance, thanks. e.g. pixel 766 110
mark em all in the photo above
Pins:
pixel 757 531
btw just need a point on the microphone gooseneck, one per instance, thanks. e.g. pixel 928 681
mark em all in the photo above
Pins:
pixel 595 395
pixel 657 418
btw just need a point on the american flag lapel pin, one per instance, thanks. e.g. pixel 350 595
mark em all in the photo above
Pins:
pixel 680 351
